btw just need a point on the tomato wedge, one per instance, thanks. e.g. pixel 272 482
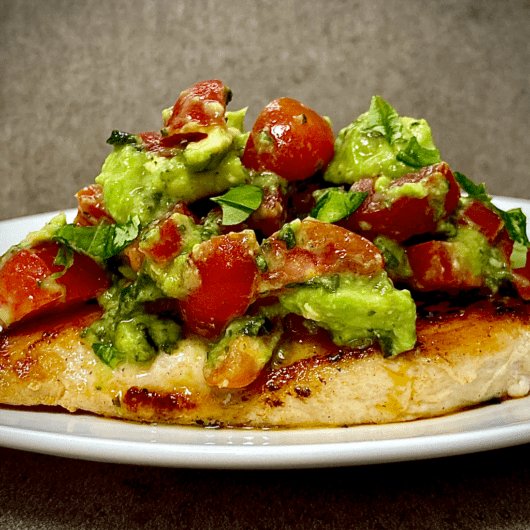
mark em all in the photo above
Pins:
pixel 224 275
pixel 406 215
pixel 27 288
pixel 289 139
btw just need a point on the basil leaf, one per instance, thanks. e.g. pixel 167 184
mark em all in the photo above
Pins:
pixel 514 220
pixel 65 259
pixel 287 235
pixel 238 203
pixel 414 155
pixel 336 204
pixel 384 119
pixel 475 191
pixel 121 138
pixel 110 355
pixel 100 242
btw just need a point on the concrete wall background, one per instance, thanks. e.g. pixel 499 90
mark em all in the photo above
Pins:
pixel 70 72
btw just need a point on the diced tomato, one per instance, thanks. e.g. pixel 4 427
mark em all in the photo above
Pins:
pixel 487 222
pixel 289 139
pixel 27 289
pixel 521 276
pixel 224 282
pixel 156 142
pixel 272 212
pixel 199 108
pixel 405 216
pixel 437 265
pixel 318 249
pixel 170 239
pixel 91 207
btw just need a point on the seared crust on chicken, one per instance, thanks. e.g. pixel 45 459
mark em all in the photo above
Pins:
pixel 463 357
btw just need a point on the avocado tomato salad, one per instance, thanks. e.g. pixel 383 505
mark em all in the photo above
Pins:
pixel 237 236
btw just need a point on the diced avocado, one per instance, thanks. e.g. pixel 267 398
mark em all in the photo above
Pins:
pixel 146 184
pixel 359 311
pixel 380 142
pixel 481 258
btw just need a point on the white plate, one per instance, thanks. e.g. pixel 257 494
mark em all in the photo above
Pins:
pixel 88 437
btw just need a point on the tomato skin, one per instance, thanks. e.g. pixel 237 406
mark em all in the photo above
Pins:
pixel 22 295
pixel 225 273
pixel 91 206
pixel 488 222
pixel 406 216
pixel 198 108
pixel 170 241
pixel 436 266
pixel 321 249
pixel 300 142
pixel 271 214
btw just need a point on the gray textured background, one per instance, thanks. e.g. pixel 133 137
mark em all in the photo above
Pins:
pixel 70 72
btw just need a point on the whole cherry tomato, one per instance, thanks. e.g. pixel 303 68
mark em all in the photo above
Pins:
pixel 289 139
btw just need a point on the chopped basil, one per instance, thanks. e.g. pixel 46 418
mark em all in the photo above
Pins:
pixel 110 355
pixel 475 191
pixel 335 204
pixel 238 203
pixel 121 138
pixel 65 259
pixel 414 155
pixel 384 119
pixel 287 235
pixel 100 242
pixel 514 220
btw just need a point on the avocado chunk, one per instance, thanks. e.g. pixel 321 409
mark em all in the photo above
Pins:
pixel 358 310
pixel 380 142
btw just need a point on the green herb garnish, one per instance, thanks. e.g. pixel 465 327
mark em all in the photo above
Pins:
pixel 384 119
pixel 335 204
pixel 287 235
pixel 414 155
pixel 118 138
pixel 100 242
pixel 238 203
pixel 110 355
pixel 514 220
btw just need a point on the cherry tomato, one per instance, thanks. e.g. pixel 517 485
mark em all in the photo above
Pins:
pixel 91 206
pixel 225 274
pixel 315 248
pixel 437 265
pixel 290 140
pixel 405 216
pixel 26 289
pixel 199 108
